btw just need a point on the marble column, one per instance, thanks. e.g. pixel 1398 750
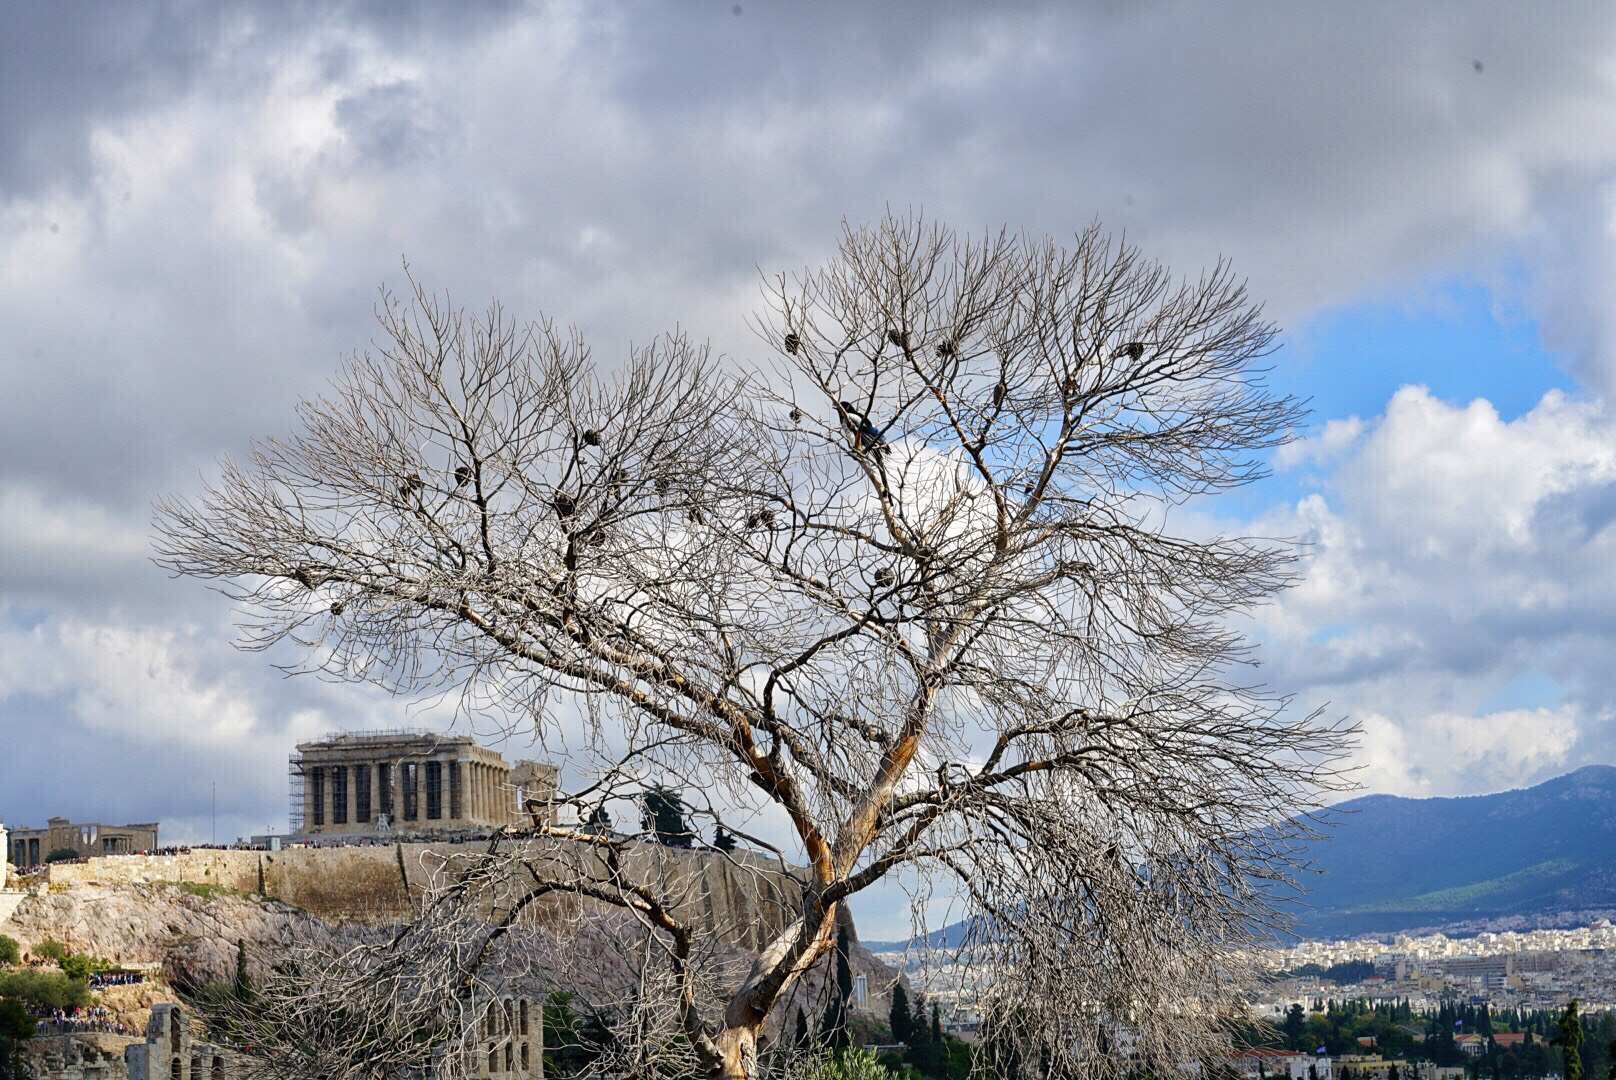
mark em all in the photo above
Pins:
pixel 328 797
pixel 420 789
pixel 353 793
pixel 308 800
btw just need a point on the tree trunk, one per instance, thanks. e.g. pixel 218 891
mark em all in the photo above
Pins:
pixel 792 952
pixel 737 1050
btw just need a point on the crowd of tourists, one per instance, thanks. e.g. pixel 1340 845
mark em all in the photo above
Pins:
pixel 94 1018
pixel 100 980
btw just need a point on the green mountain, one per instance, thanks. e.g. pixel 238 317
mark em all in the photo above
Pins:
pixel 1388 863
pixel 1385 863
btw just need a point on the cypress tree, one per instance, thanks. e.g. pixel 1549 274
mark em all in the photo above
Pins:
pixel 243 984
pixel 664 817
pixel 1570 1041
pixel 937 1025
pixel 902 1020
pixel 844 969
pixel 833 1026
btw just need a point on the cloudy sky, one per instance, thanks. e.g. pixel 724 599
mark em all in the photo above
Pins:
pixel 198 202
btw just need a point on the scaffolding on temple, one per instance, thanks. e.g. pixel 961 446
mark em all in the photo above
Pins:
pixel 294 792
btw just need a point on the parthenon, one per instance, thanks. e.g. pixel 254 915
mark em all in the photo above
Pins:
pixel 366 783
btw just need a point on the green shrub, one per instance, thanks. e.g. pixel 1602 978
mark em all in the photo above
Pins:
pixel 61 854
pixel 16 1026
pixel 51 949
pixel 78 966
pixel 846 1065
pixel 43 990
pixel 205 891
pixel 10 951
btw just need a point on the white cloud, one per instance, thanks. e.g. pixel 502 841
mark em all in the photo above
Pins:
pixel 1322 448
pixel 1447 753
pixel 1325 448
pixel 1454 558
pixel 152 684
pixel 55 546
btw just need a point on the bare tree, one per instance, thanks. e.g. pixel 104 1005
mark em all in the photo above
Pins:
pixel 917 591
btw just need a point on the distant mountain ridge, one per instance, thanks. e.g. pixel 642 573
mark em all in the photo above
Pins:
pixel 1388 863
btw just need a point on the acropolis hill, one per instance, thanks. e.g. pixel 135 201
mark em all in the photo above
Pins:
pixel 737 897
pixel 374 816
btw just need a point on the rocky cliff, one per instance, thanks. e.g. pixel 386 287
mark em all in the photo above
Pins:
pixel 188 912
pixel 192 932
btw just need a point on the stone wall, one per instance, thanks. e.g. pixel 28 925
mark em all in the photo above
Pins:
pixel 76 1057
pixel 743 898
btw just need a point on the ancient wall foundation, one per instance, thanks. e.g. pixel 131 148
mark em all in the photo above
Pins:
pixel 744 899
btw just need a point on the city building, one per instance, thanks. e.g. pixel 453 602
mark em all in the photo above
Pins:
pixel 1266 1064
pixel 375 782
pixel 31 847
pixel 1368 1067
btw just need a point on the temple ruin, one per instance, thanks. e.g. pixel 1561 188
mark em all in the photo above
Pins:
pixel 168 1052
pixel 31 847
pixel 384 782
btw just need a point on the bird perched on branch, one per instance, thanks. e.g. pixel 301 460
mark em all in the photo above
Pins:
pixel 866 435
pixel 1133 351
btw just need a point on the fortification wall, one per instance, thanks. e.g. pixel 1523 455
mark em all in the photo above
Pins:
pixel 740 897
pixel 200 867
